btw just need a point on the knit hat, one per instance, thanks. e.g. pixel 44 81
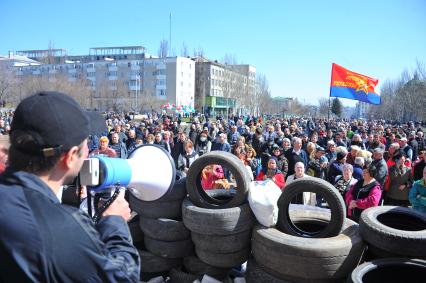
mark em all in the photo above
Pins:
pixel 341 155
pixel 273 158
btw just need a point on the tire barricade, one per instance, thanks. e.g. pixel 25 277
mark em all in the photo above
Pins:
pixel 166 241
pixel 190 233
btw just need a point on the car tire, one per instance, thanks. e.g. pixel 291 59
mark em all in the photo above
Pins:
pixel 397 230
pixel 256 274
pixel 224 260
pixel 176 249
pixel 153 263
pixel 226 221
pixel 318 186
pixel 195 266
pixel 178 276
pixel 156 209
pixel 135 230
pixel 301 259
pixel 164 229
pixel 222 243
pixel 178 192
pixel 227 160
pixel 390 270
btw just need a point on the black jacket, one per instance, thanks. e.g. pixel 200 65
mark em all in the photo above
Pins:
pixel 42 240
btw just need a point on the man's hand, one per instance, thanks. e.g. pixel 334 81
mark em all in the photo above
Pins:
pixel 119 207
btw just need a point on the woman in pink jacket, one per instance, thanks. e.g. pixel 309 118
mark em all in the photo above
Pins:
pixel 363 194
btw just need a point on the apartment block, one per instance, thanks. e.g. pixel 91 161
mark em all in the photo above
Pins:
pixel 222 88
pixel 118 76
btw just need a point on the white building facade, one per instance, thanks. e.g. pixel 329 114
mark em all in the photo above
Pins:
pixel 121 77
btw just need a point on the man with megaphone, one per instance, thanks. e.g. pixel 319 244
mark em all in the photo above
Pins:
pixel 42 240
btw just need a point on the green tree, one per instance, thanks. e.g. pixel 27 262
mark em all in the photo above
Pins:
pixel 336 107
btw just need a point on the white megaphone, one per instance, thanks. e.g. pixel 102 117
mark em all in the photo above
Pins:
pixel 148 173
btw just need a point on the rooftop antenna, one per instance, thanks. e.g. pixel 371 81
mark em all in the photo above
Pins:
pixel 170 35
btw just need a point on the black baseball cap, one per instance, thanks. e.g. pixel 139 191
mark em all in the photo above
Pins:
pixel 55 120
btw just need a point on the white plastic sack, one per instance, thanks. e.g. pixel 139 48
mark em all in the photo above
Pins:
pixel 263 197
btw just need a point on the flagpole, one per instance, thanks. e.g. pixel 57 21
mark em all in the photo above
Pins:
pixel 328 112
pixel 329 95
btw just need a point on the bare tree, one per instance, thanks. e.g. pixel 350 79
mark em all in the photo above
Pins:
pixel 402 97
pixel 199 52
pixel 78 89
pixel 8 83
pixel 421 70
pixel 230 59
pixel 263 95
pixel 323 107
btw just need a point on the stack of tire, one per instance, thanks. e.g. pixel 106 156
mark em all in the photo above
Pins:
pixel 392 231
pixel 166 241
pixel 313 245
pixel 220 221
pixel 396 238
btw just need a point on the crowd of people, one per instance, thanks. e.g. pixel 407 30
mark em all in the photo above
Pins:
pixel 369 162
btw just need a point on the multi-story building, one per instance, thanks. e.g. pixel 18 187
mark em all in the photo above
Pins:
pixel 222 89
pixel 118 76
pixel 128 78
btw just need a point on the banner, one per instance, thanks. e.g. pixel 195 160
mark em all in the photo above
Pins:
pixel 351 85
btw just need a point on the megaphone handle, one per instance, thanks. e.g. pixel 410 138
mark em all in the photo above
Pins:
pixel 107 203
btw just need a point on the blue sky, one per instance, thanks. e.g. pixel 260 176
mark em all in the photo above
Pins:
pixel 292 43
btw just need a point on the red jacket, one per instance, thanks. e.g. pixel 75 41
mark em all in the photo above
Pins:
pixel 278 179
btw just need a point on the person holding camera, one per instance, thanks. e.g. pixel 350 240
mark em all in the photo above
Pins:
pixel 42 240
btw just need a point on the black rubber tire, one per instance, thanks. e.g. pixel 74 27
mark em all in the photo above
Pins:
pixel 164 229
pixel 390 270
pixel 135 230
pixel 152 263
pixel 256 274
pixel 227 160
pixel 178 276
pixel 149 276
pixel 318 186
pixel 307 259
pixel 225 221
pixel 178 192
pixel 156 209
pixel 225 260
pixel 195 266
pixel 220 243
pixel 374 253
pixel 176 249
pixel 394 229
